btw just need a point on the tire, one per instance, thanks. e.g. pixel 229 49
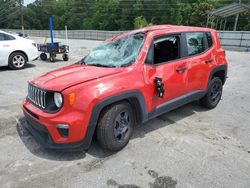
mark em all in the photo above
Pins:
pixel 115 126
pixel 65 57
pixel 17 60
pixel 43 56
pixel 214 93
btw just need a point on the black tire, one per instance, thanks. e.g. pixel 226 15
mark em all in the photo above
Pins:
pixel 17 60
pixel 65 57
pixel 52 58
pixel 214 93
pixel 43 56
pixel 115 126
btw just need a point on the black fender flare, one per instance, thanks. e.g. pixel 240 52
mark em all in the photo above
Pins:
pixel 217 69
pixel 135 97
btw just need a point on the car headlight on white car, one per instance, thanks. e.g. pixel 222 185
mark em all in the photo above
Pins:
pixel 58 99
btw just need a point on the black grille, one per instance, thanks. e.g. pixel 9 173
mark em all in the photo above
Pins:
pixel 37 96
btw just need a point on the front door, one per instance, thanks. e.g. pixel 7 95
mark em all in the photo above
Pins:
pixel 164 62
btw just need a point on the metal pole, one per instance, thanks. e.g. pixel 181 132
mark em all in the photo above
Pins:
pixel 236 19
pixel 225 23
pixel 220 23
pixel 216 23
pixel 21 9
pixel 66 34
pixel 51 33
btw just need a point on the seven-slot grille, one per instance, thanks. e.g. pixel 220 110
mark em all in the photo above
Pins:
pixel 37 96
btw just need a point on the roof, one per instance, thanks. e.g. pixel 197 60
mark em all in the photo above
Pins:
pixel 229 10
pixel 156 29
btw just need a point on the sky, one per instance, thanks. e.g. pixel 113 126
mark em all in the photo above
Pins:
pixel 28 2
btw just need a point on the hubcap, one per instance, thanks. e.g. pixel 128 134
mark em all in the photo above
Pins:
pixel 216 91
pixel 122 125
pixel 18 61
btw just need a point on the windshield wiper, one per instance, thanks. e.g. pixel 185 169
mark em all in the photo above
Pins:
pixel 100 65
pixel 82 61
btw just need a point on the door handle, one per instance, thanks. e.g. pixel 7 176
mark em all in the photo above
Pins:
pixel 6 45
pixel 180 69
pixel 209 61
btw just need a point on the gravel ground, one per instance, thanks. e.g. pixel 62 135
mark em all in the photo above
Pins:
pixel 188 147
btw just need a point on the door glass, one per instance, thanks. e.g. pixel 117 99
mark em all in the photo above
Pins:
pixel 195 43
pixel 1 37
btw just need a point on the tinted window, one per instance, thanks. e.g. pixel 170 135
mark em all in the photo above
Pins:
pixel 195 43
pixel 1 37
pixel 6 37
pixel 209 39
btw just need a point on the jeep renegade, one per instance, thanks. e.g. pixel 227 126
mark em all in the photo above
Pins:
pixel 128 79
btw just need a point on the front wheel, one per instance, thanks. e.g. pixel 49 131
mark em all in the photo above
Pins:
pixel 115 126
pixel 43 56
pixel 214 93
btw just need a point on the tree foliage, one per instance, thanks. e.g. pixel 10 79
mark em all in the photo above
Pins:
pixel 112 14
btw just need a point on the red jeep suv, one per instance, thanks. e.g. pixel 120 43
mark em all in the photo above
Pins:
pixel 128 79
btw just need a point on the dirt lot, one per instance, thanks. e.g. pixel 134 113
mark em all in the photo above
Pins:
pixel 188 147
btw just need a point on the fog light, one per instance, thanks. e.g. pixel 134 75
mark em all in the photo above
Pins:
pixel 63 130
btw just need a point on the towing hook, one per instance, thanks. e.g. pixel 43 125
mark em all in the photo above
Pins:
pixel 159 87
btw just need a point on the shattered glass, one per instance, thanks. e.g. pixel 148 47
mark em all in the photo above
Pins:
pixel 118 53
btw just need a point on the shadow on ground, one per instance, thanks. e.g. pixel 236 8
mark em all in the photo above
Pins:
pixel 95 150
pixel 6 68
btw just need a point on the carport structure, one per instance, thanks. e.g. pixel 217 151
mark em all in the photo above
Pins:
pixel 218 18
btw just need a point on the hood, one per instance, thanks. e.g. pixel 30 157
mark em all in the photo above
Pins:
pixel 62 78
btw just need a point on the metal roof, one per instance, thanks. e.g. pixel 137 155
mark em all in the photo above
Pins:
pixel 229 10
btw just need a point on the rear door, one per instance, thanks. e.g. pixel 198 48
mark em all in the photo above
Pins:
pixel 200 59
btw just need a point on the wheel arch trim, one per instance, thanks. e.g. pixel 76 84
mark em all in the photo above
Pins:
pixel 20 51
pixel 134 96
pixel 217 69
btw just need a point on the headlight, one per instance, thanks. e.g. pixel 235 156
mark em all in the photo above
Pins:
pixel 58 99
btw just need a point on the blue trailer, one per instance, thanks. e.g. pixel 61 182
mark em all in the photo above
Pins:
pixel 53 48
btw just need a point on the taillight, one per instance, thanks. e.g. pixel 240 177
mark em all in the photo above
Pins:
pixel 34 44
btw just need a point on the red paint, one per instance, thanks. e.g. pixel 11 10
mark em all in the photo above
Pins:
pixel 92 84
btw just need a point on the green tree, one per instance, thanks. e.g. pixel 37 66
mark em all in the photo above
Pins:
pixel 140 22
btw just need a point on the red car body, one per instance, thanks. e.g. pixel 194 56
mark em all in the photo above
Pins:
pixel 93 88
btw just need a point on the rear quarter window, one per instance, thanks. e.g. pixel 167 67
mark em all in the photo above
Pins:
pixel 195 43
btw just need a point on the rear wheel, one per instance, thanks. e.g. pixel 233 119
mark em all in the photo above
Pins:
pixel 65 57
pixel 214 93
pixel 17 60
pixel 115 126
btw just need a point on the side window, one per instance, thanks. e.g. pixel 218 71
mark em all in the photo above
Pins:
pixel 164 49
pixel 195 43
pixel 209 39
pixel 1 37
pixel 6 37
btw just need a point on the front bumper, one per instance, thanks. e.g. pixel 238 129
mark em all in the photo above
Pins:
pixel 43 137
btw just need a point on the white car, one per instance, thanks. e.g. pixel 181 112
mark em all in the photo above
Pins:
pixel 16 51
